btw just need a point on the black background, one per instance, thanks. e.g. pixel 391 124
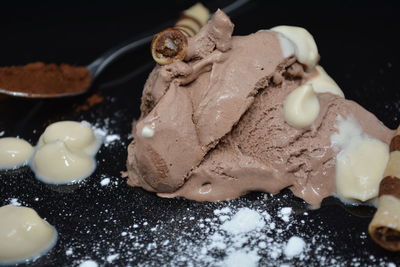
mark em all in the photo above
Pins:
pixel 357 41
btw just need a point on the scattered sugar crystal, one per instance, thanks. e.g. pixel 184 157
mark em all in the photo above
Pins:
pixel 245 220
pixel 284 214
pixel 88 263
pixel 111 138
pixel 223 218
pixel 294 247
pixel 242 258
pixel 217 241
pixel 105 181
pixel 69 252
pixel 258 240
pixel 112 257
pixel 14 202
pixel 225 210
pixel 99 132
pixel 262 244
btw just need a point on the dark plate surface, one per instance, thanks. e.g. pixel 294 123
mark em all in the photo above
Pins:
pixel 359 49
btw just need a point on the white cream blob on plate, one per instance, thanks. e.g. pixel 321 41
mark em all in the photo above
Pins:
pixel 24 236
pixel 55 163
pixel 65 152
pixel 77 136
pixel 14 152
pixel 360 163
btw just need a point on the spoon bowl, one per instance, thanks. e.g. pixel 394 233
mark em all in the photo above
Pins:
pixel 101 63
pixel 95 69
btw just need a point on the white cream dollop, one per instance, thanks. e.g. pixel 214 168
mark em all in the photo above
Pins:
pixel 14 152
pixel 23 235
pixel 288 47
pixel 305 48
pixel 147 132
pixel 77 136
pixel 65 152
pixel 323 83
pixel 55 163
pixel 301 107
pixel 360 163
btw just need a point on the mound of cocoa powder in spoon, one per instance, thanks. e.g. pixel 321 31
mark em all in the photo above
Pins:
pixel 41 78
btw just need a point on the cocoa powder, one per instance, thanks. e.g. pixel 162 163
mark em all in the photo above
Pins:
pixel 41 78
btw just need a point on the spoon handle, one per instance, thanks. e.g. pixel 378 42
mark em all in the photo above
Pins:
pixel 97 66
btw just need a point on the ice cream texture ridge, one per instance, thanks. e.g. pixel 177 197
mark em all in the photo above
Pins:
pixel 251 113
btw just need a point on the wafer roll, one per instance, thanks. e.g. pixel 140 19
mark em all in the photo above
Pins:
pixel 171 44
pixel 385 226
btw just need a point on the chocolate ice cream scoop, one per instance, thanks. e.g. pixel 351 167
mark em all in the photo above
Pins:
pixel 240 114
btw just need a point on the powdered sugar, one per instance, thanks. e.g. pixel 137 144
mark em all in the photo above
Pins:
pixel 105 129
pixel 105 181
pixel 88 263
pixel 129 227
pixel 14 202
pixel 112 257
pixel 233 233
pixel 241 258
pixel 111 138
pixel 245 220
pixel 294 247
pixel 284 213
pixel 69 252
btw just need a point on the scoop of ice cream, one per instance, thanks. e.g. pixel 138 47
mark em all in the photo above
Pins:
pixel 212 127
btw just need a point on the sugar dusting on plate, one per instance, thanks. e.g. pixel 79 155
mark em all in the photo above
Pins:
pixel 266 231
pixel 233 233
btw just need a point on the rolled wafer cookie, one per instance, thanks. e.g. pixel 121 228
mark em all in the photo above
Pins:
pixel 384 228
pixel 171 44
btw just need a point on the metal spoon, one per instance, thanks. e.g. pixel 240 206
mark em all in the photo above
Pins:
pixel 98 65
pixel 95 69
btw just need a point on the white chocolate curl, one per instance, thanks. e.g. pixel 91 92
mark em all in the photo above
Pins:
pixel 301 107
pixel 306 49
